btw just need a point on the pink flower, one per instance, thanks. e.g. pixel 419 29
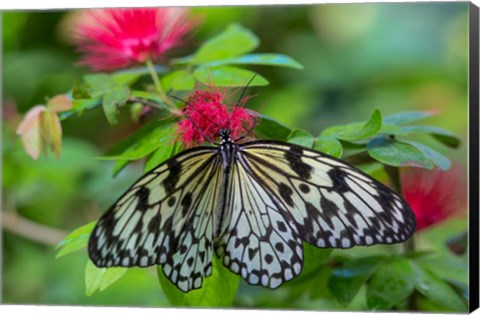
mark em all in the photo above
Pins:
pixel 206 114
pixel 111 39
pixel 434 195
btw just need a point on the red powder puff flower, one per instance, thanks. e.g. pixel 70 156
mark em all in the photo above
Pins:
pixel 111 39
pixel 206 114
pixel 434 195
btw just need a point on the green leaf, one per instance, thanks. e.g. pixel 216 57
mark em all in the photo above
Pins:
pixel 356 131
pixel 442 135
pixel 345 282
pixel 228 76
pixel 161 155
pixel 425 305
pixel 150 96
pixel 139 70
pixel 80 90
pixel 131 142
pixel 99 84
pixel 125 78
pixel 408 117
pixel 301 137
pixel 218 290
pixel 259 59
pixel 76 240
pixel 368 130
pixel 446 267
pixel 269 128
pixel 150 140
pixel 119 166
pixel 328 145
pixel 112 99
pixel 79 106
pixel 391 284
pixel 438 291
pixel 396 153
pixel 182 60
pixel 437 158
pixel 134 138
pixel 234 41
pixel 314 258
pixel 179 80
pixel 390 129
pixel 112 90
pixel 101 278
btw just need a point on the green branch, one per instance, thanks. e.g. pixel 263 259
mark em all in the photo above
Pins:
pixel 159 89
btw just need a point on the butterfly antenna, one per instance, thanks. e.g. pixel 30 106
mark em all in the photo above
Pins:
pixel 240 99
pixel 192 121
pixel 245 89
pixel 201 131
pixel 188 104
pixel 249 130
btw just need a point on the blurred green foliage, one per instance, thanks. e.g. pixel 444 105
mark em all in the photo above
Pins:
pixel 356 58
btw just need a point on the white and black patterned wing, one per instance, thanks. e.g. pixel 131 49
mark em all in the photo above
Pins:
pixel 256 239
pixel 165 218
pixel 332 203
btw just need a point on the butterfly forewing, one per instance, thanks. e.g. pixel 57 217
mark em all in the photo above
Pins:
pixel 332 203
pixel 165 218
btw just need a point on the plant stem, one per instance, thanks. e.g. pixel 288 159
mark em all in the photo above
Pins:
pixel 394 175
pixel 14 223
pixel 409 246
pixel 159 89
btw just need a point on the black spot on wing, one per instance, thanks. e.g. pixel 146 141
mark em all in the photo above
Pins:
pixel 294 158
pixel 281 226
pixel 338 178
pixel 154 224
pixel 279 246
pixel 142 194
pixel 304 188
pixel 186 203
pixel 252 252
pixel 268 258
pixel 171 201
pixel 171 181
pixel 183 249
pixel 286 193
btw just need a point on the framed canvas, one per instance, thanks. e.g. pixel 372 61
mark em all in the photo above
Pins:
pixel 273 157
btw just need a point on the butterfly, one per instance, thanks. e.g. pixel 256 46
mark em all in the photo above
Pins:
pixel 251 204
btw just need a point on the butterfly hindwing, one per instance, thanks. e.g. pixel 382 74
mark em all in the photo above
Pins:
pixel 165 218
pixel 256 241
pixel 332 203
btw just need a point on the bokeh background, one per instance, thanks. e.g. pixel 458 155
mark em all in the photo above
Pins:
pixel 356 58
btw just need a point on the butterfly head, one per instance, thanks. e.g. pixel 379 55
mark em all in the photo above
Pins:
pixel 225 136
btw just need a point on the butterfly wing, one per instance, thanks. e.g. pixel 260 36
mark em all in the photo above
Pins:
pixel 332 203
pixel 165 218
pixel 256 240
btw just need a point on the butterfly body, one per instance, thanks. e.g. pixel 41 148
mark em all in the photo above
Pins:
pixel 253 205
pixel 227 149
